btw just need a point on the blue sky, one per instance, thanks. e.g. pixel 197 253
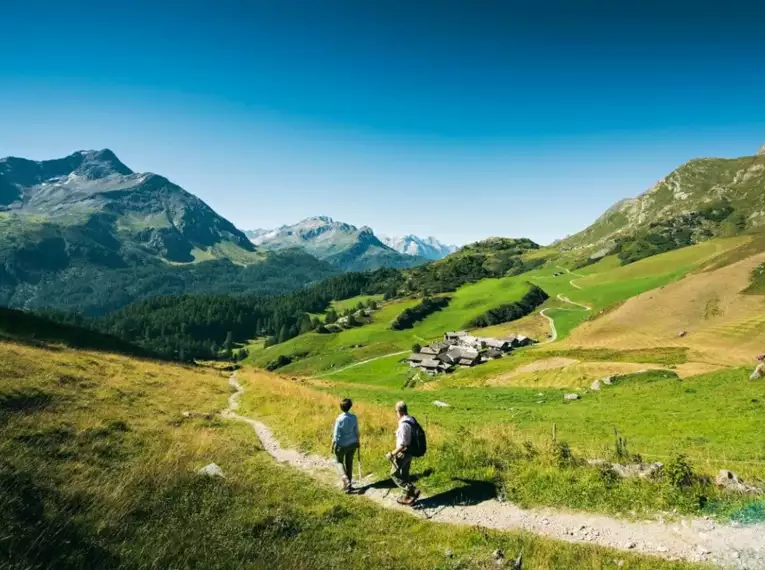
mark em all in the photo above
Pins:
pixel 459 119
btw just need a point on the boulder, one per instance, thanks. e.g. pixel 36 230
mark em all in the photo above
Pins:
pixel 211 470
pixel 681 334
pixel 571 397
pixel 608 380
pixel 730 481
pixel 440 404
pixel 758 372
pixel 638 470
pixel 595 386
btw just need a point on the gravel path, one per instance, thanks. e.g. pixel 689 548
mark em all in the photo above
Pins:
pixel 363 362
pixel 695 540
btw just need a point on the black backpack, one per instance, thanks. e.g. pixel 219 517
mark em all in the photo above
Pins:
pixel 419 444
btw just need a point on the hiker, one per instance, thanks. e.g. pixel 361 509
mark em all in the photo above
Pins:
pixel 410 443
pixel 345 442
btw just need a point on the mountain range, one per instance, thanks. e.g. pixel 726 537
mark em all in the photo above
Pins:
pixel 345 246
pixel 86 232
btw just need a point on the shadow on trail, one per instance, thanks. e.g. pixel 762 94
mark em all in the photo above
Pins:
pixel 389 484
pixel 472 492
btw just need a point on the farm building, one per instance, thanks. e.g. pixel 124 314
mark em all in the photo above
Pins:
pixel 462 349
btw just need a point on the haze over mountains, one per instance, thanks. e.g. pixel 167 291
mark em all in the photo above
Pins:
pixel 343 245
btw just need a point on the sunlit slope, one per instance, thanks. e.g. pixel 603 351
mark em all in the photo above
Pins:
pixel 705 312
pixel 327 352
pixel 606 283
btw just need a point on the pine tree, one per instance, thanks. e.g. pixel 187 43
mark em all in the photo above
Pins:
pixel 331 317
pixel 305 324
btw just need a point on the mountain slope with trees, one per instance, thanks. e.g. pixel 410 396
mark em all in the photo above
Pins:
pixel 86 233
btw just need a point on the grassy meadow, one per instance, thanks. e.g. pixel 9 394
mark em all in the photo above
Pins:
pixel 504 435
pixel 97 470
pixel 320 353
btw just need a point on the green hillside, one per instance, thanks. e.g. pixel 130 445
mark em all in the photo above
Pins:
pixel 114 485
pixel 703 198
pixel 315 352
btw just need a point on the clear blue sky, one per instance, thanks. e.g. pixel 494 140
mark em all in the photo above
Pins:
pixel 459 119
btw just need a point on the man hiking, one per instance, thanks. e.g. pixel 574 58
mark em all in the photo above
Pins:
pixel 410 443
pixel 345 442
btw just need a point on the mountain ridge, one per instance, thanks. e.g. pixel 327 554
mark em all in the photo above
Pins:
pixel 730 190
pixel 343 245
pixel 410 244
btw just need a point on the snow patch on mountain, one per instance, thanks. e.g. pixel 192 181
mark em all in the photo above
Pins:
pixel 429 247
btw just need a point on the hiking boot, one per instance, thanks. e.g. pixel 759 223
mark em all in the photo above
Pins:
pixel 346 484
pixel 405 501
pixel 414 496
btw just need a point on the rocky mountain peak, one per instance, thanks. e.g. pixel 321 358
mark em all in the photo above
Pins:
pixel 94 164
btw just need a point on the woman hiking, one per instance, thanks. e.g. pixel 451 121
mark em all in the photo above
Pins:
pixel 345 442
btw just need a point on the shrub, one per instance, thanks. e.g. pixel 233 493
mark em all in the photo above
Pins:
pixel 679 471
pixel 416 347
pixel 428 306
pixel 281 361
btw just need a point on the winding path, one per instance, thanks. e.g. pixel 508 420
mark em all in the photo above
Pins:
pixel 355 364
pixel 694 540
pixel 554 331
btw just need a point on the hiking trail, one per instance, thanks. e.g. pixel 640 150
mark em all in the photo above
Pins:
pixel 696 540
pixel 355 364
pixel 553 330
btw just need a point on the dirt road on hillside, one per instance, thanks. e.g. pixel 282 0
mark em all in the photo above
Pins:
pixel 694 540
pixel 355 364
pixel 553 330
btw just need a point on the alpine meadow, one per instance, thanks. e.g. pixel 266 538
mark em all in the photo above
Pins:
pixel 437 286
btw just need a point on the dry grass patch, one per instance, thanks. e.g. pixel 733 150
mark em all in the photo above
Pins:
pixel 722 325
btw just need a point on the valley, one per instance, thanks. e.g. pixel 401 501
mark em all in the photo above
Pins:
pixel 614 426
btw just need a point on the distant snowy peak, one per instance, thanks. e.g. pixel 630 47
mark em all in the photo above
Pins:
pixel 346 246
pixel 429 248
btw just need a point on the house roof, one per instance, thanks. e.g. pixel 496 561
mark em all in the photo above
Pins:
pixel 418 356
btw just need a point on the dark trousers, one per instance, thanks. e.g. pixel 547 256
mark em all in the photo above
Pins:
pixel 401 464
pixel 344 460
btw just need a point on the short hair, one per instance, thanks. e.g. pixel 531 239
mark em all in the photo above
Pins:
pixel 401 408
pixel 346 404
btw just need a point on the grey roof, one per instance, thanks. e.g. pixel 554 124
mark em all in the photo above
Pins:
pixel 418 356
pixel 429 363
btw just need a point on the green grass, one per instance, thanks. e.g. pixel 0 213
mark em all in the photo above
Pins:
pixel 605 284
pixel 100 473
pixel 484 433
pixel 351 303
pixel 326 352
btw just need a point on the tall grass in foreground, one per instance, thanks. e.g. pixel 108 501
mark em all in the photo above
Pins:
pixel 528 469
pixel 97 471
